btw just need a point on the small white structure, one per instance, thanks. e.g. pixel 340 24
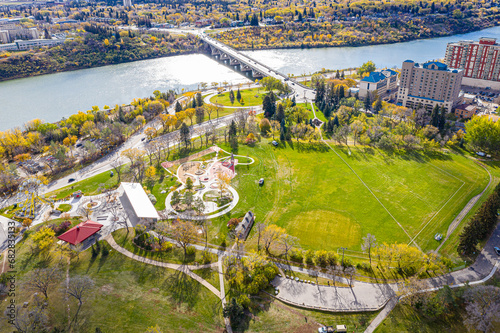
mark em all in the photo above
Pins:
pixel 137 204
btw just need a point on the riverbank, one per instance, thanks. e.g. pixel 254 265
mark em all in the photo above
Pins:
pixel 293 35
pixel 93 50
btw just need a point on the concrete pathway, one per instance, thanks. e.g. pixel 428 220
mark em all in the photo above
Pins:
pixel 465 210
pixel 186 269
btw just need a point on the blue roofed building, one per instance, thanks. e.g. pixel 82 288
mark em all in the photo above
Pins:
pixel 383 84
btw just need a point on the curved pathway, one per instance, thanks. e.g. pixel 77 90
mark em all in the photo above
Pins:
pixel 186 269
pixel 456 222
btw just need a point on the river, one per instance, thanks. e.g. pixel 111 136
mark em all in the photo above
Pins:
pixel 53 96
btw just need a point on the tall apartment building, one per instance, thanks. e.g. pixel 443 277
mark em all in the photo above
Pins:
pixel 9 34
pixel 479 60
pixel 127 3
pixel 429 84
pixel 385 83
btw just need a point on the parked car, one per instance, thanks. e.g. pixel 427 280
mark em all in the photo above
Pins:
pixel 326 329
pixel 71 180
pixel 480 153
pixel 497 250
pixel 261 181
pixel 275 143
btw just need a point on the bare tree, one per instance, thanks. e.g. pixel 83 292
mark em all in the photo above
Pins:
pixel 369 242
pixel 350 273
pixel 260 229
pixel 183 232
pixel 85 211
pixel 288 242
pixel 30 320
pixel 117 167
pixel 78 288
pixel 41 279
pixel 483 308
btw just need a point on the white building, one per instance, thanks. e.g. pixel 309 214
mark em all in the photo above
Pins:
pixel 136 203
pixel 31 44
pixel 384 83
pixel 127 3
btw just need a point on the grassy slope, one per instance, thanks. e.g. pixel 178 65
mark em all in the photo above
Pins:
pixel 129 296
pixel 317 198
pixel 251 97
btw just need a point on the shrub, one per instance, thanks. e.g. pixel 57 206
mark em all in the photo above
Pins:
pixel 233 223
pixel 190 251
pixel 166 246
pixel 206 257
pixel 320 258
pixel 296 255
pixel 309 257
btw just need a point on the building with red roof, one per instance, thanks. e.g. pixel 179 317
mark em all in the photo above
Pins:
pixel 81 232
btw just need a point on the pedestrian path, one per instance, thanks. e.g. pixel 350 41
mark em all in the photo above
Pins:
pixel 186 269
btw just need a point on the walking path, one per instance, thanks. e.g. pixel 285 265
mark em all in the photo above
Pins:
pixel 186 269
pixel 456 222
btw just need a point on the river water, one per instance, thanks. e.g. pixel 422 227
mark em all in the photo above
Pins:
pixel 53 96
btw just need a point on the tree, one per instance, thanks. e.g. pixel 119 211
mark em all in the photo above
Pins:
pixel 369 242
pixel 178 107
pixel 200 115
pixel 234 311
pixel 231 96
pixel 199 99
pixel 31 320
pixel 223 180
pixel 40 279
pixel 483 308
pixel 238 95
pixel 378 105
pixel 483 134
pixel 78 287
pixel 183 232
pixel 271 235
pixel 43 238
pixel 185 135
pixel 367 67
pixel 265 126
pixel 117 166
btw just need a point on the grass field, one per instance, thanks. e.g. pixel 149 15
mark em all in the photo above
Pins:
pixel 316 196
pixel 251 97
pixel 128 297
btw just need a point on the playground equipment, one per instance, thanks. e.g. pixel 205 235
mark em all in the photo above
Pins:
pixel 34 201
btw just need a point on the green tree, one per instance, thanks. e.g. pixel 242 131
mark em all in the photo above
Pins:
pixel 367 67
pixel 178 107
pixel 231 96
pixel 185 135
pixel 235 312
pixel 482 133
pixel 238 95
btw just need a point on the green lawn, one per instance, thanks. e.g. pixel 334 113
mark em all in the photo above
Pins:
pixel 312 193
pixel 129 296
pixel 406 319
pixel 251 97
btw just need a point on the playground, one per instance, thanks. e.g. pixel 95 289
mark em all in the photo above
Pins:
pixel 207 181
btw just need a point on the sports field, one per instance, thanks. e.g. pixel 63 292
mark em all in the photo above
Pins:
pixel 330 201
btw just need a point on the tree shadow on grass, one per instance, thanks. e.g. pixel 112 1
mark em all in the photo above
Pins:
pixel 312 147
pixel 182 289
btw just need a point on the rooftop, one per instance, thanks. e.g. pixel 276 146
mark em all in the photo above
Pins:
pixel 81 232
pixel 379 76
pixel 139 200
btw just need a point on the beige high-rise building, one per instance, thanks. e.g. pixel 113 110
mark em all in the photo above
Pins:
pixel 429 84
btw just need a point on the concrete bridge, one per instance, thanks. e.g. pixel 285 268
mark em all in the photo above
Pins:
pixel 238 60
pixel 241 62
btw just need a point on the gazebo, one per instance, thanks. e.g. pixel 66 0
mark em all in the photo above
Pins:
pixel 81 232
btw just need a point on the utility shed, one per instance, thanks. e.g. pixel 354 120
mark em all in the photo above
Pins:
pixel 139 208
pixel 243 228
